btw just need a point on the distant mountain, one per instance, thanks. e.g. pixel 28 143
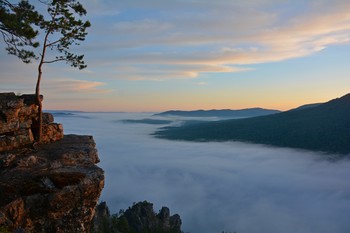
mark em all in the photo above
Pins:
pixel 147 121
pixel 223 113
pixel 325 127
pixel 63 113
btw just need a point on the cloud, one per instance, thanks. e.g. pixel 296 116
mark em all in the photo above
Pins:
pixel 169 71
pixel 220 34
pixel 141 26
pixel 215 187
pixel 73 85
pixel 99 8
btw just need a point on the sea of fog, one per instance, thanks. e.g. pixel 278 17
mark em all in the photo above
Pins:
pixel 215 187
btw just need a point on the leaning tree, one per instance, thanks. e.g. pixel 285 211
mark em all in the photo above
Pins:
pixel 59 29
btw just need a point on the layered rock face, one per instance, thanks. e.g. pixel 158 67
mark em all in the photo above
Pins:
pixel 53 189
pixel 18 122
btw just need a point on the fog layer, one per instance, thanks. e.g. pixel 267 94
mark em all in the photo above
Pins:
pixel 215 187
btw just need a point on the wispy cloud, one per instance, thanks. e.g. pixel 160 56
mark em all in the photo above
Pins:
pixel 223 34
pixel 73 85
pixel 99 8
pixel 141 26
pixel 158 72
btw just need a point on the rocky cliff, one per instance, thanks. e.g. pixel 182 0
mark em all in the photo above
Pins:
pixel 18 122
pixel 53 188
pixel 140 218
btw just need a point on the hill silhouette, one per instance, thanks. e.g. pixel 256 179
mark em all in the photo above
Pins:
pixel 222 113
pixel 306 106
pixel 324 127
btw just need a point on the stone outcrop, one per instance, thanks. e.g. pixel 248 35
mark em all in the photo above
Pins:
pixel 53 189
pixel 102 221
pixel 18 122
pixel 140 218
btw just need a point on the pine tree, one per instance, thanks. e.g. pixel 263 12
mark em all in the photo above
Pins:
pixel 60 30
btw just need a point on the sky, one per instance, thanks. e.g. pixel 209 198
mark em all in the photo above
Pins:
pixel 217 186
pixel 158 55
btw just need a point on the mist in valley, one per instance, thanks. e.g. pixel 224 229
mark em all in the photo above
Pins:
pixel 215 187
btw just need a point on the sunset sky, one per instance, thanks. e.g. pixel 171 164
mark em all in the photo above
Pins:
pixel 158 55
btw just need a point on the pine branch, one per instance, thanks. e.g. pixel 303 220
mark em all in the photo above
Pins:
pixel 52 43
pixel 56 60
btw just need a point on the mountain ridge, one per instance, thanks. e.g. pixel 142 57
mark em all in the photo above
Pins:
pixel 224 113
pixel 325 127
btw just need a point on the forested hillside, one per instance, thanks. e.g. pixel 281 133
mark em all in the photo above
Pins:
pixel 325 127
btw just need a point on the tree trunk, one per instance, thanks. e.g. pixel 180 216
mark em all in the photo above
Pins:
pixel 37 91
pixel 40 106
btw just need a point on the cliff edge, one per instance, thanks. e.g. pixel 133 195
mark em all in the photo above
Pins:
pixel 19 122
pixel 53 188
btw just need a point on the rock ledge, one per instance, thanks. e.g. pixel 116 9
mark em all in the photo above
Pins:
pixel 53 189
